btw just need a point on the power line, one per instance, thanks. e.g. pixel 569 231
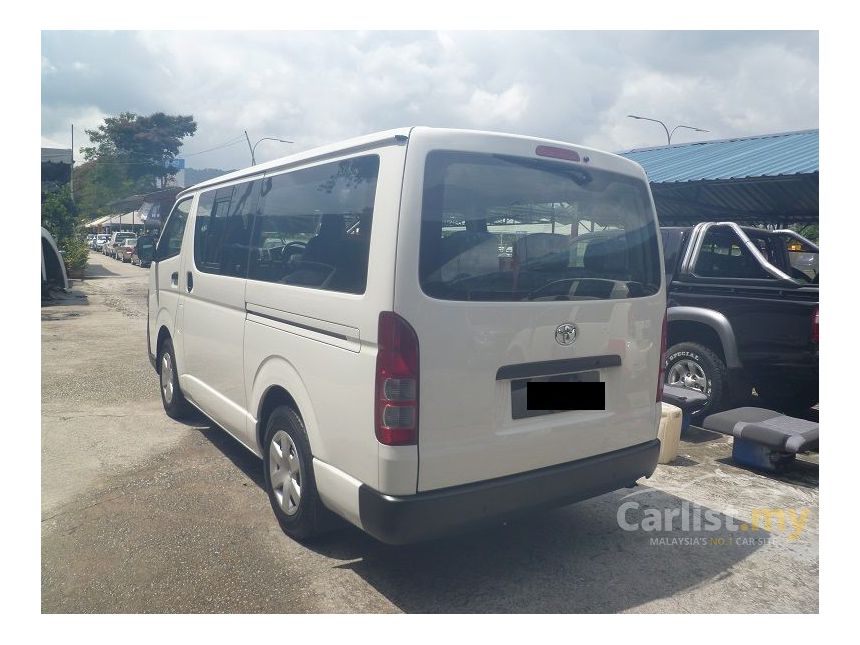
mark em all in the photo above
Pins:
pixel 226 144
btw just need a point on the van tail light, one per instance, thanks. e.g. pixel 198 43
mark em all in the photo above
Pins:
pixel 661 372
pixel 815 326
pixel 396 382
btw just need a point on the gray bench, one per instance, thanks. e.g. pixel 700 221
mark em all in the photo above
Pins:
pixel 764 439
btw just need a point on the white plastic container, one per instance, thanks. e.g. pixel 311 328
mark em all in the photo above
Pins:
pixel 669 433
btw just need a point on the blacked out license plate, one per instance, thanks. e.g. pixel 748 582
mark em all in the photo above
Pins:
pixel 547 395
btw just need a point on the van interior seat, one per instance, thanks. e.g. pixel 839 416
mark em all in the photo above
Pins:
pixel 606 258
pixel 549 251
pixel 469 253
pixel 234 257
pixel 324 247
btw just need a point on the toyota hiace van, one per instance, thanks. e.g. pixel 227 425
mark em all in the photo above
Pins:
pixel 352 315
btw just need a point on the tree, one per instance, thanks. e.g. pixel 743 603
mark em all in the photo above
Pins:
pixel 59 214
pixel 146 145
pixel 809 231
pixel 98 184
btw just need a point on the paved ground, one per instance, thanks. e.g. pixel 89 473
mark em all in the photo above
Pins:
pixel 143 514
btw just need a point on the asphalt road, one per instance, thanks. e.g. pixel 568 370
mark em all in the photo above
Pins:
pixel 144 514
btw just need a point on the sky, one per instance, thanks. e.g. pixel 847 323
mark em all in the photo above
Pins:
pixel 314 88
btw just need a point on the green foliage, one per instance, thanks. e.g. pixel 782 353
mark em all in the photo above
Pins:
pixel 59 214
pixel 130 155
pixel 809 231
pixel 75 253
pixel 99 184
pixel 145 144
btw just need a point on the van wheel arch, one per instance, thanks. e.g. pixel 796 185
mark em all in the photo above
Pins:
pixel 163 335
pixel 272 398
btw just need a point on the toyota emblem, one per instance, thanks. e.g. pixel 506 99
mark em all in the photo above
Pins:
pixel 565 334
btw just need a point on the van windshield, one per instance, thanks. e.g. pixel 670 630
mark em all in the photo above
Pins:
pixel 502 228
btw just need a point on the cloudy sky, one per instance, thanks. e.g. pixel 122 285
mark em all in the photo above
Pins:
pixel 318 87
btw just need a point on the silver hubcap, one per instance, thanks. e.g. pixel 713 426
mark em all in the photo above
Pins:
pixel 167 377
pixel 285 472
pixel 688 374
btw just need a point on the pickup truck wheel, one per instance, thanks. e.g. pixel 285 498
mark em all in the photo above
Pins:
pixel 696 367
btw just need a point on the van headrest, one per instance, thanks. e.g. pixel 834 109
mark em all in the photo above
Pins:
pixel 331 225
pixel 551 246
pixel 606 257
pixel 468 253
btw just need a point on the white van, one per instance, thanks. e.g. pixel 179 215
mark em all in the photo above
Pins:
pixel 348 315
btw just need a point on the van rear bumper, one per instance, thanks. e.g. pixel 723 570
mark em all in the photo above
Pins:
pixel 412 518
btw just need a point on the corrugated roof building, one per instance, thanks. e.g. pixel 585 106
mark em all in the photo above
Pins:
pixel 765 179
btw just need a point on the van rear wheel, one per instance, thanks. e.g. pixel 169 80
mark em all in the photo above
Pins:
pixel 289 476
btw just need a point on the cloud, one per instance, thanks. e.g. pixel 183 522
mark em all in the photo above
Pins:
pixel 318 87
pixel 488 109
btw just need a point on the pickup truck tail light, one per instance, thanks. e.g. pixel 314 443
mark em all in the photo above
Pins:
pixel 815 326
pixel 661 371
pixel 396 382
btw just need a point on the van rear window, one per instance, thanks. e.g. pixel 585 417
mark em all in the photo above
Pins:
pixel 503 228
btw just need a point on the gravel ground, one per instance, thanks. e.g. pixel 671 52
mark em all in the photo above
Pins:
pixel 144 514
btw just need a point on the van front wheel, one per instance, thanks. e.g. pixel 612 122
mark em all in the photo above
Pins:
pixel 289 476
pixel 172 398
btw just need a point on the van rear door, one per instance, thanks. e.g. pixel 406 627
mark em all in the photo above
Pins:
pixel 522 262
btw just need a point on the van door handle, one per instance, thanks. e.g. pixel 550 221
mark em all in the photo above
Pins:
pixel 189 281
pixel 174 279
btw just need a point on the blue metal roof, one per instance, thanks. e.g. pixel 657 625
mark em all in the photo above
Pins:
pixel 767 155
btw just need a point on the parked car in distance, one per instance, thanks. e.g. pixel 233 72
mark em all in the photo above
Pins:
pixel 125 249
pixel 109 248
pixel 99 241
pixel 742 314
pixel 347 317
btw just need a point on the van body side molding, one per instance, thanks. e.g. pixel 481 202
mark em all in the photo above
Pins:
pixel 326 331
pixel 563 366
pixel 293 323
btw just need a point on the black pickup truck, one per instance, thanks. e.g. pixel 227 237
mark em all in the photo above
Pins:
pixel 742 314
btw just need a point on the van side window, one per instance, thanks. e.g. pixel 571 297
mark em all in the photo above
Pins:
pixel 313 228
pixel 170 242
pixel 723 255
pixel 222 229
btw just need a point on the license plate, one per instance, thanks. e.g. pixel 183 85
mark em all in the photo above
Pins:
pixel 561 393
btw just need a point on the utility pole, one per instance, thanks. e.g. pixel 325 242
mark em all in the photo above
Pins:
pixel 254 147
pixel 248 139
pixel 72 169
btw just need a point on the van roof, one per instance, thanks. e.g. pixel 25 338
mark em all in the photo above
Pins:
pixel 367 142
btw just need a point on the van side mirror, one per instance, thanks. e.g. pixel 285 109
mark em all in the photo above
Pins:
pixel 145 248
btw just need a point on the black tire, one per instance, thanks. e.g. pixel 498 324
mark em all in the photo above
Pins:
pixel 789 397
pixel 310 518
pixel 175 405
pixel 714 369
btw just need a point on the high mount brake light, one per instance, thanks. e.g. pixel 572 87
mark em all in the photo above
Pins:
pixel 557 153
